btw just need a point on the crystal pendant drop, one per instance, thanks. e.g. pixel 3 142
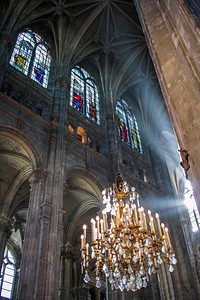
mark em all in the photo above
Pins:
pixel 150 262
pixel 149 271
pixel 173 260
pixel 159 260
pixel 124 279
pixel 128 243
pixel 116 284
pixel 144 284
pixel 98 282
pixel 116 272
pixel 171 269
pixel 130 270
pixel 86 277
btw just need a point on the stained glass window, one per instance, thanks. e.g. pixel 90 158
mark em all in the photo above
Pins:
pixel 8 272
pixel 31 56
pixel 128 127
pixel 84 96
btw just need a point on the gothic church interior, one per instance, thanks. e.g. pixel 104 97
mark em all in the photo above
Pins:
pixel 89 89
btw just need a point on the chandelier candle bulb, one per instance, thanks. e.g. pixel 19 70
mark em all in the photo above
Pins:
pixel 87 254
pixel 82 238
pixel 138 200
pixel 167 236
pixel 101 226
pixel 135 214
pixel 93 229
pixel 152 225
pixel 104 215
pixel 84 233
pixel 163 230
pixel 144 218
pixel 158 221
pixel 140 216
pixel 97 219
pixel 95 234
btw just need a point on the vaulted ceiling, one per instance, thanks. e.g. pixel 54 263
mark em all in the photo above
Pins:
pixel 104 35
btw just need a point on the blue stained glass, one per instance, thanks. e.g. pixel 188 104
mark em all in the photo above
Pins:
pixel 39 74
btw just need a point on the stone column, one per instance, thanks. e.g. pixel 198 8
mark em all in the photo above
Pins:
pixel 51 227
pixel 5 47
pixel 113 145
pixel 67 257
pixel 32 238
pixel 5 231
pixel 165 284
pixel 173 41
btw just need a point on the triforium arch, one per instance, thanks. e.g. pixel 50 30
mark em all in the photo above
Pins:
pixel 19 161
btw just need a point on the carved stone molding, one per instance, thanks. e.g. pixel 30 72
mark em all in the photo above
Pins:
pixel 20 124
pixel 68 252
pixel 6 225
pixel 38 175
pixel 46 209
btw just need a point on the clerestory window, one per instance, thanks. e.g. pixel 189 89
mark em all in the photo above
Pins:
pixel 31 56
pixel 84 96
pixel 128 127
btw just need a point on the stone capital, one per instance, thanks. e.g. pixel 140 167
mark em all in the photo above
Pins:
pixel 68 252
pixel 38 175
pixel 62 81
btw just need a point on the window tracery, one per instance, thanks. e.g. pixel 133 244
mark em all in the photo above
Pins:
pixel 8 272
pixel 84 96
pixel 128 127
pixel 32 57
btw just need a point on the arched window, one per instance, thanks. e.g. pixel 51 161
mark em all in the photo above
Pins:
pixel 70 129
pixel 8 272
pixel 84 95
pixel 81 135
pixel 128 128
pixel 31 56
pixel 191 206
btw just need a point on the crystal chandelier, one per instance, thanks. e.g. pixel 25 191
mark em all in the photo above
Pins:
pixel 127 245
